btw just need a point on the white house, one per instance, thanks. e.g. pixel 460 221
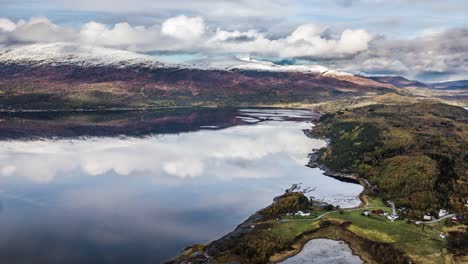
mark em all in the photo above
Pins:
pixel 443 212
pixel 392 217
pixel 300 213
pixel 427 216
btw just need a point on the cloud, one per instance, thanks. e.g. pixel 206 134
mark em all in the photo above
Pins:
pixel 179 33
pixel 398 18
pixel 121 36
pixel 184 28
pixel 306 41
pixel 7 25
pixel 190 34
pixel 37 29
pixel 433 54
pixel 440 55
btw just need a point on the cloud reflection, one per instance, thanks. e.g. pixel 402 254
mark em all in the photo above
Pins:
pixel 198 154
pixel 141 200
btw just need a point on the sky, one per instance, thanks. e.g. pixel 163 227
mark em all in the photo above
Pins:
pixel 420 39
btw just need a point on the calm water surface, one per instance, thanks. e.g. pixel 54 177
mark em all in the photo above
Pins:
pixel 138 188
pixel 324 251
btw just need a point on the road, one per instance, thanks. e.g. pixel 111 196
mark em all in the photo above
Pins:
pixel 435 221
pixel 365 208
pixel 324 214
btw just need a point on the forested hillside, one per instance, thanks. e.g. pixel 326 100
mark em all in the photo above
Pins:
pixel 414 153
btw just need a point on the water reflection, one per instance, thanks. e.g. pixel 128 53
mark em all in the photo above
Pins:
pixel 142 199
pixel 324 251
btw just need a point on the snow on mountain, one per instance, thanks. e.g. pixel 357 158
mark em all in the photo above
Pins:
pixel 85 56
pixel 258 65
pixel 67 53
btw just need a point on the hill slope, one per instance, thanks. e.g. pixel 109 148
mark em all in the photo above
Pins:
pixel 415 153
pixel 62 76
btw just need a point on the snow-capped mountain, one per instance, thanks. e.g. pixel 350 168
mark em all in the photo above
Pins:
pixel 68 53
pixel 259 65
pixel 68 76
pixel 72 54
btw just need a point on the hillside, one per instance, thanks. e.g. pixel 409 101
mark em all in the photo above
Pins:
pixel 60 76
pixel 399 81
pixel 414 153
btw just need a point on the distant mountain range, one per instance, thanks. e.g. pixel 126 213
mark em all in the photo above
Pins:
pixel 455 85
pixel 403 82
pixel 398 81
pixel 67 76
pixel 455 90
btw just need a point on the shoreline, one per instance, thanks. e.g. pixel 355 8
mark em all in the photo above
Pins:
pixel 353 251
pixel 304 239
pixel 321 233
pixel 351 239
pixel 338 231
pixel 274 236
pixel 350 178
pixel 131 109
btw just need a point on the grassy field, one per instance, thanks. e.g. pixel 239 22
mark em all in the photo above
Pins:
pixel 420 243
pixel 415 241
pixel 374 237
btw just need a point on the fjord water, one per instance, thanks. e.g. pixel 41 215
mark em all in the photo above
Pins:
pixel 139 187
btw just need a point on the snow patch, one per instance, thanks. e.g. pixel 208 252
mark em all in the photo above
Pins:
pixel 268 66
pixel 68 53
pixel 64 53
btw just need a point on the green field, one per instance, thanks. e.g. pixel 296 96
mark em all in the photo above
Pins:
pixel 420 243
pixel 373 237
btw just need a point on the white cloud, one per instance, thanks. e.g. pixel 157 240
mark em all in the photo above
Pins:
pixel 306 32
pixel 36 30
pixel 121 36
pixel 184 28
pixel 305 41
pixel 7 25
pixel 382 65
pixel 188 34
pixel 434 52
pixel 432 56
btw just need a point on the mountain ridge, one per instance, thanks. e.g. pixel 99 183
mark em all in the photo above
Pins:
pixel 66 76
pixel 63 53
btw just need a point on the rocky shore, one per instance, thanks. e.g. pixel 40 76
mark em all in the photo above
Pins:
pixel 313 163
pixel 205 254
pixel 351 178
